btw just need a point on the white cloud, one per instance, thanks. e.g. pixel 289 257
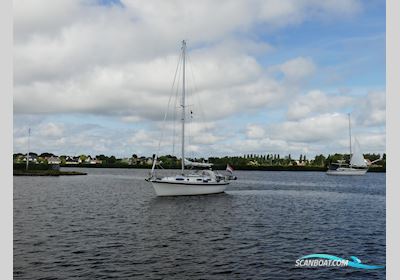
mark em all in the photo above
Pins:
pixel 74 56
pixel 78 57
pixel 371 109
pixel 324 127
pixel 297 69
pixel 51 130
pixel 315 102
pixel 255 131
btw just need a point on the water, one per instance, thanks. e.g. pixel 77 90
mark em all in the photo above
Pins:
pixel 110 224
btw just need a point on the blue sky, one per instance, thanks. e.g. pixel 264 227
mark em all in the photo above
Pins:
pixel 93 77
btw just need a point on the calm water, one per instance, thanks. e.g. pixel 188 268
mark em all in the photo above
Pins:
pixel 110 224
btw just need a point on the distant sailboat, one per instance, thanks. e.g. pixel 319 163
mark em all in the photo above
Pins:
pixel 195 182
pixel 358 165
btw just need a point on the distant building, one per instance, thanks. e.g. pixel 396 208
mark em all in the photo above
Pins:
pixel 253 163
pixel 88 160
pixel 95 161
pixel 72 160
pixel 32 158
pixel 300 163
pixel 53 160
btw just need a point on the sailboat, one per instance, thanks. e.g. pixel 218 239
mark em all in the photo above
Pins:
pixel 358 165
pixel 188 182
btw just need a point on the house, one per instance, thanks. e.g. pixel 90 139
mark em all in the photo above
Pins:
pixel 300 163
pixel 53 160
pixel 149 161
pixel 18 158
pixel 72 160
pixel 32 158
pixel 95 161
pixel 253 163
pixel 88 160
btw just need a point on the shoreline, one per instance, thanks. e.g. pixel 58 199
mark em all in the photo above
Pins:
pixel 216 167
pixel 46 173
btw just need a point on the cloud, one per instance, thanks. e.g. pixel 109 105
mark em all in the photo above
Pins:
pixel 313 129
pixel 74 56
pixel 51 130
pixel 255 131
pixel 83 58
pixel 317 101
pixel 297 69
pixel 371 109
pixel 140 90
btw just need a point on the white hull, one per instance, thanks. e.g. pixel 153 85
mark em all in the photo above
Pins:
pixel 174 189
pixel 346 171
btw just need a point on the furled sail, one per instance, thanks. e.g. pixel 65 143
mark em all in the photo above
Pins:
pixel 357 158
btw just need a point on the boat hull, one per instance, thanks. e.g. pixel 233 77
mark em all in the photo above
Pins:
pixel 347 172
pixel 175 189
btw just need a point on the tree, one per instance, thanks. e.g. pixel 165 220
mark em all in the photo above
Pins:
pixel 319 160
pixel 82 157
pixel 102 157
pixel 111 160
pixel 43 155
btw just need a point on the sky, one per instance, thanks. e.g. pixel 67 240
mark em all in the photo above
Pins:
pixel 264 76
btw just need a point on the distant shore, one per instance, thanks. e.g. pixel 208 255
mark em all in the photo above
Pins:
pixel 46 173
pixel 217 167
pixel 49 170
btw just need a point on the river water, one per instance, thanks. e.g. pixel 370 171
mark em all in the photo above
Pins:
pixel 109 224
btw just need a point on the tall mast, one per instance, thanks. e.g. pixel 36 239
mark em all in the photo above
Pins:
pixel 27 154
pixel 183 104
pixel 349 134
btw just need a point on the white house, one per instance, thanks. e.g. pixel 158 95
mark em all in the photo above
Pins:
pixel 53 160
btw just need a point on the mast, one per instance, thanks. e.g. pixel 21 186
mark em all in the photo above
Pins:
pixel 27 154
pixel 183 104
pixel 349 134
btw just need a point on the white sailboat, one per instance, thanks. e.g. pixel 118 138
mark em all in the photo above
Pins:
pixel 188 182
pixel 358 165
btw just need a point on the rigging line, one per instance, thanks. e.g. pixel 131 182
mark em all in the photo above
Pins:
pixel 196 96
pixel 192 96
pixel 190 120
pixel 166 112
pixel 191 93
pixel 197 91
pixel 189 135
pixel 175 111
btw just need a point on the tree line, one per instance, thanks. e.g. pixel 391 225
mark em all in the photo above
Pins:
pixel 247 161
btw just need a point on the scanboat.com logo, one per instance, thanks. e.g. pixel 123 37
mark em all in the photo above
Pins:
pixel 324 260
